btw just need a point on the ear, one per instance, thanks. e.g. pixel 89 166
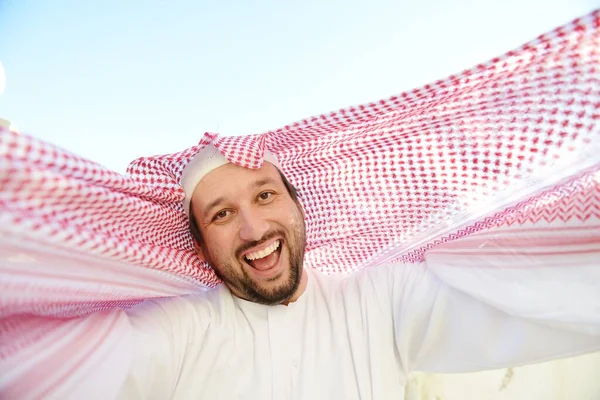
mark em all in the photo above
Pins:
pixel 199 251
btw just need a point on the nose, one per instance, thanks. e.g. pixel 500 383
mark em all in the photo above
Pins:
pixel 253 225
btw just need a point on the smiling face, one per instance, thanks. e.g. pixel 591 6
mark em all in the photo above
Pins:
pixel 252 231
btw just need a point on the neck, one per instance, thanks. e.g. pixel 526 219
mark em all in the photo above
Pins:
pixel 301 289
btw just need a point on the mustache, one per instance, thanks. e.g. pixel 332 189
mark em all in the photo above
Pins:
pixel 266 237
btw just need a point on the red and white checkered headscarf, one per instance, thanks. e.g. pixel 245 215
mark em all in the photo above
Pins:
pixel 508 148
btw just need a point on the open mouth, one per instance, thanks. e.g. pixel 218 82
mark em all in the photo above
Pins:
pixel 266 259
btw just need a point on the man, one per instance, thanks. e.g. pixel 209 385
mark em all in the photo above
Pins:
pixel 275 330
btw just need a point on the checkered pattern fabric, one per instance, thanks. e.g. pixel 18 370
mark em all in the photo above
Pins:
pixel 511 144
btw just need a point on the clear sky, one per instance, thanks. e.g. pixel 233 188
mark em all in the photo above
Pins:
pixel 115 79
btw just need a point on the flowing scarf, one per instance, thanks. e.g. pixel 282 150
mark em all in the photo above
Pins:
pixel 489 172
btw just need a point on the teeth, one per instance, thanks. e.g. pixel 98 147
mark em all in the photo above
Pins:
pixel 263 253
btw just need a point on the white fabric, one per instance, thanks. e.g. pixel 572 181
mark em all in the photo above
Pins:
pixel 354 337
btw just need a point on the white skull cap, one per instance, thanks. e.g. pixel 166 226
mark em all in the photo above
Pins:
pixel 205 161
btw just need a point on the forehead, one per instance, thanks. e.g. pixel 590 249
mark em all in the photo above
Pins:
pixel 231 180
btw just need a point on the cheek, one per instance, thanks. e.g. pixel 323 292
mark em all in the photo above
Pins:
pixel 295 220
pixel 219 242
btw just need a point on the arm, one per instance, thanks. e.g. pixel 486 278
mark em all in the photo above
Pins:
pixel 109 354
pixel 162 332
pixel 482 302
pixel 440 329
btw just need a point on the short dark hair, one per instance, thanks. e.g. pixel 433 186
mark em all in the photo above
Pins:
pixel 197 235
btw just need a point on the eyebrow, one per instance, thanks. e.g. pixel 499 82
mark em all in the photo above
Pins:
pixel 262 182
pixel 255 184
pixel 213 204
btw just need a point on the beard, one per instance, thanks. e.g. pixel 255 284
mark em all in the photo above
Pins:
pixel 238 280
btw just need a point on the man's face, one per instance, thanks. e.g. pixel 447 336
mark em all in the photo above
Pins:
pixel 253 232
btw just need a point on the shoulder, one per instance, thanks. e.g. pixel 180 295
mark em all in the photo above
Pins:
pixel 203 308
pixel 365 285
pixel 379 282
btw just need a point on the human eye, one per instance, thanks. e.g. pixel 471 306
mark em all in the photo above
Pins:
pixel 221 216
pixel 266 196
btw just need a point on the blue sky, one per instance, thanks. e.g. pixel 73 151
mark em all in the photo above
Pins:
pixel 114 80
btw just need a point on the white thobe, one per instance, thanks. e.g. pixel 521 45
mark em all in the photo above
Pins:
pixel 353 337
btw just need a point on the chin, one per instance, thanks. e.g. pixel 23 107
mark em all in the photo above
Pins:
pixel 276 291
